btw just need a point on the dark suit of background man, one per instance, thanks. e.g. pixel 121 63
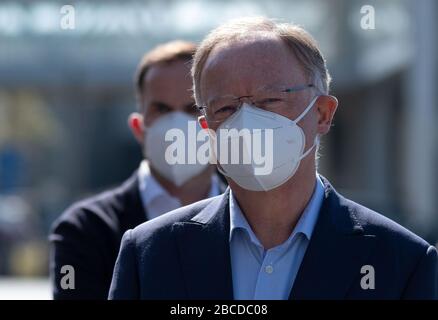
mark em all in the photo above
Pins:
pixel 283 233
pixel 87 236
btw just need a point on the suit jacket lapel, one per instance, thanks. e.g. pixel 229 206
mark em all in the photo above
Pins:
pixel 204 250
pixel 336 252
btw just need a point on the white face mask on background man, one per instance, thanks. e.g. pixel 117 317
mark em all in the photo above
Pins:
pixel 156 145
pixel 287 147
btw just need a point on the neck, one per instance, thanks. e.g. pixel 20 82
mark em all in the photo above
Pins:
pixel 193 190
pixel 274 214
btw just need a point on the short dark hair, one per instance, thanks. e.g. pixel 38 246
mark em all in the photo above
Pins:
pixel 164 53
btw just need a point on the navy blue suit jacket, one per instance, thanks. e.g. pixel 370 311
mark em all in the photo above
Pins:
pixel 185 255
pixel 87 236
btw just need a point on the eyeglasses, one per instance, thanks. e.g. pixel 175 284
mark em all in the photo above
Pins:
pixel 274 99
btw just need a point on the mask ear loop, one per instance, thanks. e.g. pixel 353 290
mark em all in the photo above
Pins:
pixel 303 114
pixel 315 144
pixel 300 117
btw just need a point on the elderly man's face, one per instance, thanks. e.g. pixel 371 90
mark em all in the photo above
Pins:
pixel 242 68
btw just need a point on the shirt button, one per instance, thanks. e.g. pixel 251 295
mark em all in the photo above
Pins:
pixel 269 269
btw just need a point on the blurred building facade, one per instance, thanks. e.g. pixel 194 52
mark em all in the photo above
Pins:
pixel 65 96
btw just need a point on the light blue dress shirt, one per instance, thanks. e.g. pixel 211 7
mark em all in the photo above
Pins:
pixel 260 274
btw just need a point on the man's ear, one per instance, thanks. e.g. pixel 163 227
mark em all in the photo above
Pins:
pixel 327 106
pixel 135 122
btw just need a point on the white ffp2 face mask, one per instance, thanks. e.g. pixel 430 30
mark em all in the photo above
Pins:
pixel 286 147
pixel 156 145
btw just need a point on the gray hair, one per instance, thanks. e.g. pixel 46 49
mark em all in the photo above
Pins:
pixel 300 42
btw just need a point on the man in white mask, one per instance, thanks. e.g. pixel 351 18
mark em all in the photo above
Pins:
pixel 87 236
pixel 281 231
pixel 165 103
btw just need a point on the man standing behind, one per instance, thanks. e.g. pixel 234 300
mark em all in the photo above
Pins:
pixel 87 236
pixel 286 234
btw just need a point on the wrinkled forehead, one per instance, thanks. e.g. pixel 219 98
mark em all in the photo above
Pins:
pixel 241 66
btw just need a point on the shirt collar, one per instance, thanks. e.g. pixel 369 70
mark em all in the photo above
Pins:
pixel 305 224
pixel 151 189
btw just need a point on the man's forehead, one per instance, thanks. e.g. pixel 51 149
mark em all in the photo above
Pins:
pixel 168 83
pixel 256 61
pixel 249 50
pixel 168 71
